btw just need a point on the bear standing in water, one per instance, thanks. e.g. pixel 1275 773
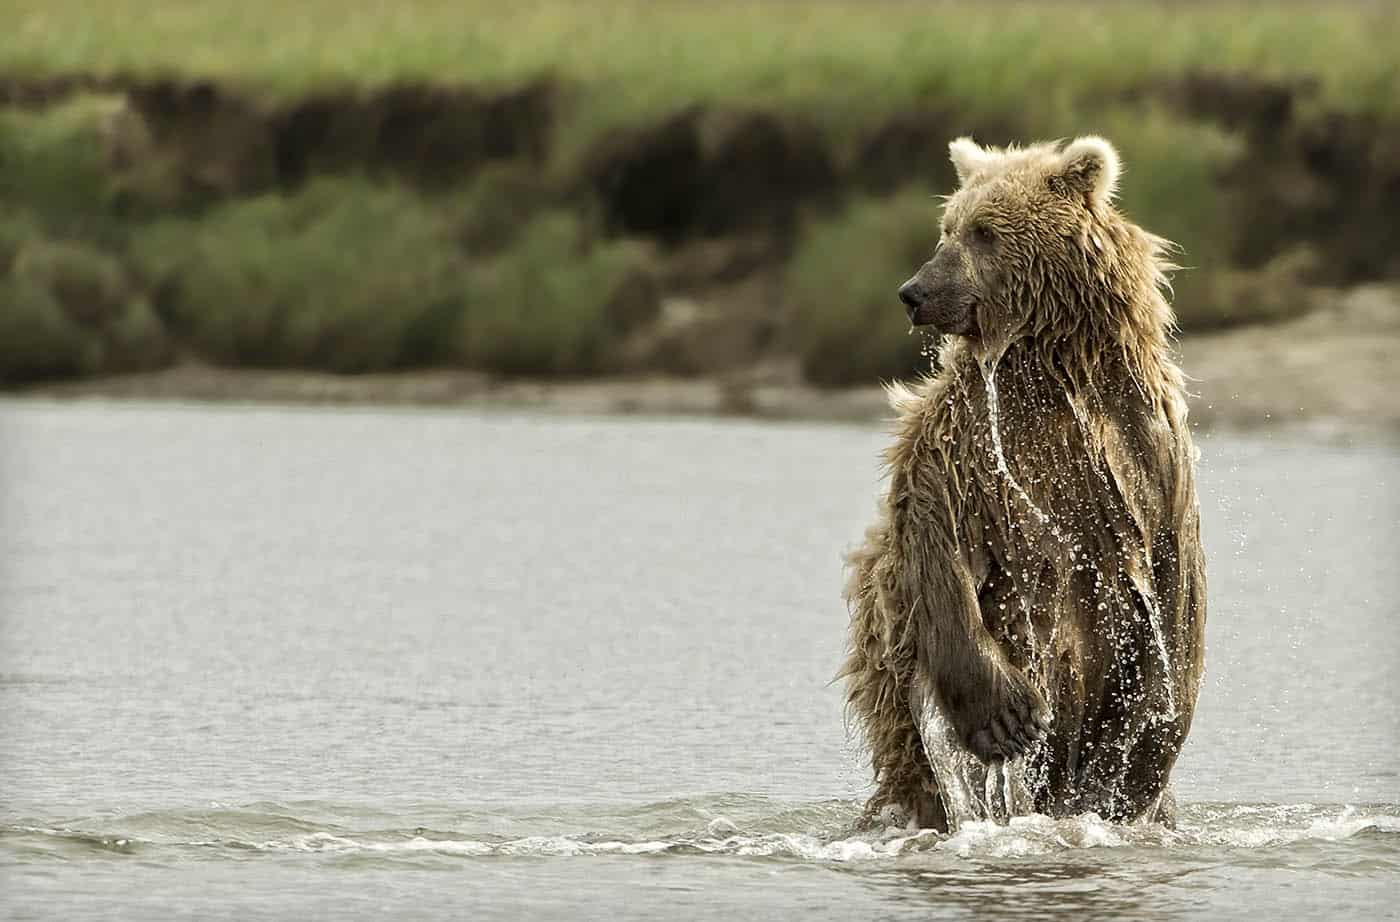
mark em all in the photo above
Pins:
pixel 1028 612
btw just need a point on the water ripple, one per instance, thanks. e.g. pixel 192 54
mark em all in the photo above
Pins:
pixel 742 826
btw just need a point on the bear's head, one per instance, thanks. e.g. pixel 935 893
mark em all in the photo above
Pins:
pixel 1031 243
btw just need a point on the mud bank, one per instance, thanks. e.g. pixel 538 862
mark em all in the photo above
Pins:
pixel 1335 370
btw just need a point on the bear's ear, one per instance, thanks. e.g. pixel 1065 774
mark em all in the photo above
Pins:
pixel 967 158
pixel 1089 167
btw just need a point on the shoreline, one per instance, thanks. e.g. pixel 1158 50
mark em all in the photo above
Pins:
pixel 1336 368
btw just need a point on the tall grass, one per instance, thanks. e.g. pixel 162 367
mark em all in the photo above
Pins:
pixel 849 63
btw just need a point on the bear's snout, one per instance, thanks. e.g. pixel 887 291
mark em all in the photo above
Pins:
pixel 913 296
pixel 940 295
pixel 947 306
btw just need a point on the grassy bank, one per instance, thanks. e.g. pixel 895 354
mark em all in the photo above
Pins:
pixel 848 63
pixel 555 188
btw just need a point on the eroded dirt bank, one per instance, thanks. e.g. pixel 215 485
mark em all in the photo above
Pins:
pixel 1326 179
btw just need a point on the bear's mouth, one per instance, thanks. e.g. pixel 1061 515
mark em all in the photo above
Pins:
pixel 957 316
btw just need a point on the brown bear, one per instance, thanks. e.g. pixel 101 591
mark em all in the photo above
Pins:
pixel 1028 612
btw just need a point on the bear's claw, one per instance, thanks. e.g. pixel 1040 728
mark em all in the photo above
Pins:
pixel 1011 729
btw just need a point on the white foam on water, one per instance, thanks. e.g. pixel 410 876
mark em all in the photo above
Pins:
pixel 1266 826
pixel 1232 826
pixel 1025 836
pixel 1020 837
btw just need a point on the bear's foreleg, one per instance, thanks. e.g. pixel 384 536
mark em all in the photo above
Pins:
pixel 991 704
pixel 878 670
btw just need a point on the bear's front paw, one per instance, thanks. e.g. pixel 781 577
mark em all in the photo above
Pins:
pixel 1011 719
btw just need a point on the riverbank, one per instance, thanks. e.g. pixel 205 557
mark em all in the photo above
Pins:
pixel 1338 366
pixel 638 189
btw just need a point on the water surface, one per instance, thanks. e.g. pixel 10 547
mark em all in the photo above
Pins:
pixel 291 661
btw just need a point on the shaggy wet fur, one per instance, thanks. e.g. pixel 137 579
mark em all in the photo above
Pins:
pixel 1036 561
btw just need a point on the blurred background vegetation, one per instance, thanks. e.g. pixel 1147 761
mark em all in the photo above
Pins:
pixel 570 189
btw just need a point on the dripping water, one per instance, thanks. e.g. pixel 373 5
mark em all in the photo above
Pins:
pixel 994 419
pixel 1149 600
pixel 988 368
pixel 1154 621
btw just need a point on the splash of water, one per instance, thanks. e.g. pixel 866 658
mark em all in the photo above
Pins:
pixel 971 791
pixel 1154 621
pixel 809 831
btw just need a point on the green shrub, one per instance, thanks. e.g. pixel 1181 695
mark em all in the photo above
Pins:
pixel 499 201
pixel 547 303
pixel 135 339
pixel 52 160
pixel 37 338
pixel 17 228
pixel 68 308
pixel 842 285
pixel 352 276
pixel 345 276
pixel 90 285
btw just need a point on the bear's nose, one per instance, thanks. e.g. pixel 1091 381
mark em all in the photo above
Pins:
pixel 911 295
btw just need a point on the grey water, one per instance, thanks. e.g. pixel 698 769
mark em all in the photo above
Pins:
pixel 293 662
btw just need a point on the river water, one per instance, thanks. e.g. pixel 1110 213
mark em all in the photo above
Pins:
pixel 296 662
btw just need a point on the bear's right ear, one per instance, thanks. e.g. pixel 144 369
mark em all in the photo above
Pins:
pixel 1090 167
pixel 968 158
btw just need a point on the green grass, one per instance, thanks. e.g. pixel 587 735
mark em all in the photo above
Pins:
pixel 848 64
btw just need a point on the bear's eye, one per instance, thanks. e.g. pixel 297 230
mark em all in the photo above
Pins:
pixel 983 234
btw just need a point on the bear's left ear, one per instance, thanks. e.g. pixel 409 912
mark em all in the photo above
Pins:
pixel 1089 166
pixel 968 159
